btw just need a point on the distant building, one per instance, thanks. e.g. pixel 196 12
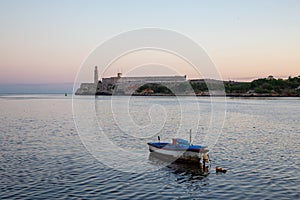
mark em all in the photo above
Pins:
pixel 124 85
pixel 86 89
pixel 96 75
pixel 89 88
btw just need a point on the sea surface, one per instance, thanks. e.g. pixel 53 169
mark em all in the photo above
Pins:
pixel 95 148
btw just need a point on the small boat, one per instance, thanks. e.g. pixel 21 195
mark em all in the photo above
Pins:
pixel 180 150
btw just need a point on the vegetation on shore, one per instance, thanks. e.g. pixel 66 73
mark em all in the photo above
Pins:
pixel 154 88
pixel 269 86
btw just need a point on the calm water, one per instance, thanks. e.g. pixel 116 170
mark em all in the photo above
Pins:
pixel 42 154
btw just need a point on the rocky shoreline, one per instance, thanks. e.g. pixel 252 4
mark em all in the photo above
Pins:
pixel 205 95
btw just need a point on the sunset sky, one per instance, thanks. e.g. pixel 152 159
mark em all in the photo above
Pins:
pixel 47 41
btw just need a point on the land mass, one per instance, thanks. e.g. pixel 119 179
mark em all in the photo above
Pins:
pixel 269 86
pixel 178 85
pixel 262 87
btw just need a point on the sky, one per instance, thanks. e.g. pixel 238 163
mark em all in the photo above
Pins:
pixel 47 41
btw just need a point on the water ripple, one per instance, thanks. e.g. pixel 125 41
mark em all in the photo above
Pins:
pixel 42 156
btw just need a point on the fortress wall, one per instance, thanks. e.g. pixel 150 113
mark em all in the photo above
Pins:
pixel 87 89
pixel 127 85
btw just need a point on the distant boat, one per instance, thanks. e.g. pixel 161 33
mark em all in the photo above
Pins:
pixel 180 150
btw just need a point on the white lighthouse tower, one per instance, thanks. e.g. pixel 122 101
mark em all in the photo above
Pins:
pixel 96 75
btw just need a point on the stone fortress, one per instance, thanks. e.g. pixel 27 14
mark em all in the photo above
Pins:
pixel 119 85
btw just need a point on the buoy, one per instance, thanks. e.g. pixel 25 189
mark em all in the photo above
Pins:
pixel 220 169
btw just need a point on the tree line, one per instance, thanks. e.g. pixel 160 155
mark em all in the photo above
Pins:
pixel 266 86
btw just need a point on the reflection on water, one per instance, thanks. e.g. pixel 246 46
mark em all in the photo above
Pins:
pixel 194 170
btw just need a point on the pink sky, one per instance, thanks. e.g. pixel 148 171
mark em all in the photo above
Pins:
pixel 46 42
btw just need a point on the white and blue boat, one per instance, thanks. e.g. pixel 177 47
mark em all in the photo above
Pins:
pixel 180 150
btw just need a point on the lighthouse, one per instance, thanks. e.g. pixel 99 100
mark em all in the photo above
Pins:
pixel 96 75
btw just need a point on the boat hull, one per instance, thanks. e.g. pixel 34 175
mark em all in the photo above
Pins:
pixel 180 155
